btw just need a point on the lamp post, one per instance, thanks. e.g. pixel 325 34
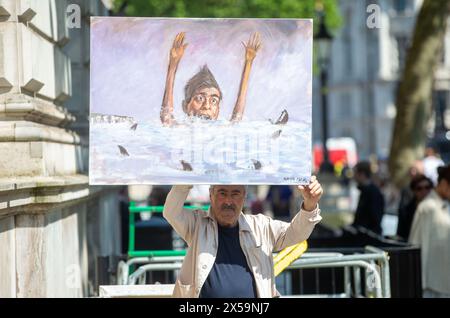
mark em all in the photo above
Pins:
pixel 323 40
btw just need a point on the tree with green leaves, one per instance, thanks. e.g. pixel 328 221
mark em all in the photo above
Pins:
pixel 230 9
pixel 414 95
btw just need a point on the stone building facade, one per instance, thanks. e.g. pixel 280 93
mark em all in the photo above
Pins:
pixel 365 68
pixel 53 225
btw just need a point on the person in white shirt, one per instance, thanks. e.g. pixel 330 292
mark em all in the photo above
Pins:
pixel 431 231
pixel 430 164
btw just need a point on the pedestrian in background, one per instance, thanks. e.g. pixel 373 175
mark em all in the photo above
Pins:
pixel 406 193
pixel 420 186
pixel 279 199
pixel 431 162
pixel 370 209
pixel 431 231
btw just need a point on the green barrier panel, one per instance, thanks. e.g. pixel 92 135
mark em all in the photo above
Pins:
pixel 157 253
pixel 133 209
pixel 160 208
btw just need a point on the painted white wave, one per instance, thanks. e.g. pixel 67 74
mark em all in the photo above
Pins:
pixel 219 152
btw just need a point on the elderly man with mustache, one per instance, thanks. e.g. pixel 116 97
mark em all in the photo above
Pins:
pixel 230 253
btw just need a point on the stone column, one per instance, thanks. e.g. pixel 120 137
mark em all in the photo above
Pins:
pixel 44 190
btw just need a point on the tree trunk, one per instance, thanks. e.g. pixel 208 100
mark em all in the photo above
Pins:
pixel 414 95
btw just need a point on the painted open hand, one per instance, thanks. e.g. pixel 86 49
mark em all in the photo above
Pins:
pixel 252 46
pixel 311 194
pixel 178 47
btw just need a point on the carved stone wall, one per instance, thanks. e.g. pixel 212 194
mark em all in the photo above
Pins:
pixel 52 224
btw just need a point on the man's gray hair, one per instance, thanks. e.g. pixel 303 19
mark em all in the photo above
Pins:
pixel 211 187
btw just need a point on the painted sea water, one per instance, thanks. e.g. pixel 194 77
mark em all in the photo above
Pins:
pixel 199 152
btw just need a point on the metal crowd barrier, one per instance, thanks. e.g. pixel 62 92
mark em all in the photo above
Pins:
pixel 374 262
pixel 123 271
pixel 377 276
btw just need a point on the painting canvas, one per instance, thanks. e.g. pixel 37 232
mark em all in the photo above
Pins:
pixel 200 101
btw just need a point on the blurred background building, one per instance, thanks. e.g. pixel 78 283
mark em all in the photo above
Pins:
pixel 363 77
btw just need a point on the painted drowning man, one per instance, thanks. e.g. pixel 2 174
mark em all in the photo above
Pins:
pixel 202 93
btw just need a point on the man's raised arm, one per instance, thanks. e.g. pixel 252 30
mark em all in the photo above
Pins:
pixel 287 234
pixel 182 221
pixel 176 53
pixel 251 48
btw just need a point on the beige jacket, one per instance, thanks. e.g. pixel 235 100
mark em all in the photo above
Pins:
pixel 431 231
pixel 259 237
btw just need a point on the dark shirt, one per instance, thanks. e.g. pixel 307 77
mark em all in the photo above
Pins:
pixel 405 219
pixel 230 276
pixel 370 210
pixel 406 195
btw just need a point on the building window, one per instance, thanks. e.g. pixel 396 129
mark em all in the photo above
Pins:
pixel 346 108
pixel 402 50
pixel 400 6
pixel 442 53
pixel 440 102
pixel 347 44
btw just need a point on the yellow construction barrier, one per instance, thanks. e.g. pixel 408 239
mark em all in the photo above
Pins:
pixel 287 256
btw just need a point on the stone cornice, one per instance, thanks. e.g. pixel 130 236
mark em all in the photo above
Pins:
pixel 23 107
pixel 35 195
pixel 30 131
